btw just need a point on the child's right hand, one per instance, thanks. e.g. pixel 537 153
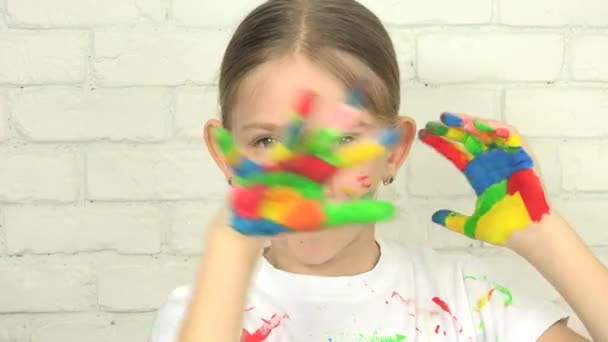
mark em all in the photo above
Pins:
pixel 287 195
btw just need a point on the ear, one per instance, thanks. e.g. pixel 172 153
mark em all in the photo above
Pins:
pixel 399 153
pixel 214 149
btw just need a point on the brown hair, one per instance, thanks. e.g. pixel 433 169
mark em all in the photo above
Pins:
pixel 341 35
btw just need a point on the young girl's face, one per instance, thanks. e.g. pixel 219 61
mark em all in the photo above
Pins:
pixel 261 111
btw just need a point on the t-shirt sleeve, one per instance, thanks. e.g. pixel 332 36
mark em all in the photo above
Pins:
pixel 169 317
pixel 505 312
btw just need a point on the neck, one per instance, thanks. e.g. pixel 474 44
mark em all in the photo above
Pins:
pixel 359 256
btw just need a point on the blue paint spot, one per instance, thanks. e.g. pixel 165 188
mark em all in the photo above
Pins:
pixel 390 137
pixel 257 227
pixel 441 216
pixel 451 120
pixel 247 168
pixel 356 98
pixel 495 166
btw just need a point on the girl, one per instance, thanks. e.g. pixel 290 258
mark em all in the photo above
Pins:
pixel 346 284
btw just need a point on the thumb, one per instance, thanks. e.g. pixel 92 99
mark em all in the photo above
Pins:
pixel 451 220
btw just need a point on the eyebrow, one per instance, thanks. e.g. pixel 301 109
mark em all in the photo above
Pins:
pixel 260 125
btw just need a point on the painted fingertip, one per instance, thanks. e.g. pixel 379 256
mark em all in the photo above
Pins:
pixel 451 120
pixel 436 128
pixel 304 104
pixel 502 132
pixel 356 98
pixel 440 217
pixel 422 133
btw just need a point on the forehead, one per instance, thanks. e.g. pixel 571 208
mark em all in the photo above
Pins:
pixel 266 95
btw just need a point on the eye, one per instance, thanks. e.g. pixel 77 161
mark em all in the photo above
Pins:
pixel 346 139
pixel 264 142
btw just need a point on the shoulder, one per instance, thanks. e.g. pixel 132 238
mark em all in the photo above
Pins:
pixel 170 315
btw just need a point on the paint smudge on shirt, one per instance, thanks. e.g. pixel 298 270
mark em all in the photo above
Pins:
pixel 264 331
pixel 498 287
pixel 444 306
pixel 404 301
pixel 371 338
pixel 481 303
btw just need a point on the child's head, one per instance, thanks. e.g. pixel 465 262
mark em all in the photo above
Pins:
pixel 286 46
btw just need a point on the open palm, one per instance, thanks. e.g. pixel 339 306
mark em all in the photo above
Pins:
pixel 287 194
pixel 509 193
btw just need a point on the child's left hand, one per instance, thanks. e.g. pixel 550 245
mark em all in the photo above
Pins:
pixel 510 196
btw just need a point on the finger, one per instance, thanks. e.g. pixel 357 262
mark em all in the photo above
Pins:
pixel 452 220
pixel 301 112
pixel 362 211
pixel 359 152
pixel 499 133
pixel 471 143
pixel 450 151
pixel 257 227
pixel 242 166
pixel 305 186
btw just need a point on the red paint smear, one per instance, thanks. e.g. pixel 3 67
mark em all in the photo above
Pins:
pixel 250 309
pixel 437 329
pixel 396 294
pixel 364 181
pixel 529 187
pixel 458 157
pixel 444 306
pixel 264 331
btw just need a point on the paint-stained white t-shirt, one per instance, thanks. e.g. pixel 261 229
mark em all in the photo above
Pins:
pixel 410 295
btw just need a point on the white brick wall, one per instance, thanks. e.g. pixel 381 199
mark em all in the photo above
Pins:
pixel 105 186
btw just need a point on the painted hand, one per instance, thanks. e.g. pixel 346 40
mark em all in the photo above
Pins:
pixel 510 195
pixel 287 194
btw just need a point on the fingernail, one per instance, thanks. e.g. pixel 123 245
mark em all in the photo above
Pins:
pixel 451 120
pixel 440 216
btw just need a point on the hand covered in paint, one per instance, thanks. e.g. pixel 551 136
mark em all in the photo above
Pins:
pixel 287 194
pixel 510 196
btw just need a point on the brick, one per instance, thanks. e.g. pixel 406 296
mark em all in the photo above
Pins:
pixel 588 58
pixel 153 175
pixel 30 57
pixel 3 117
pixel 76 114
pixel 584 166
pixel 72 328
pixel 403 42
pixel 158 58
pixel 193 108
pixel 427 103
pixel 120 287
pixel 155 10
pixel 482 57
pixel 553 13
pixel 44 287
pixel 124 228
pixel 587 217
pixel 547 154
pixel 209 14
pixel 189 225
pixel 412 12
pixel 69 13
pixel 431 175
pixel 27 176
pixel 557 108
pixel 14 327
pixel 131 327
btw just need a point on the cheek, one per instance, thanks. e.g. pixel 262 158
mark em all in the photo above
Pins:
pixel 360 180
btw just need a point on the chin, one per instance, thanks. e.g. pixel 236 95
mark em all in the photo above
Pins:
pixel 317 248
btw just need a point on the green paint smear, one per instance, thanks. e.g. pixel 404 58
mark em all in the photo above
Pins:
pixel 482 126
pixel 364 211
pixel 492 195
pixel 498 287
pixel 375 338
